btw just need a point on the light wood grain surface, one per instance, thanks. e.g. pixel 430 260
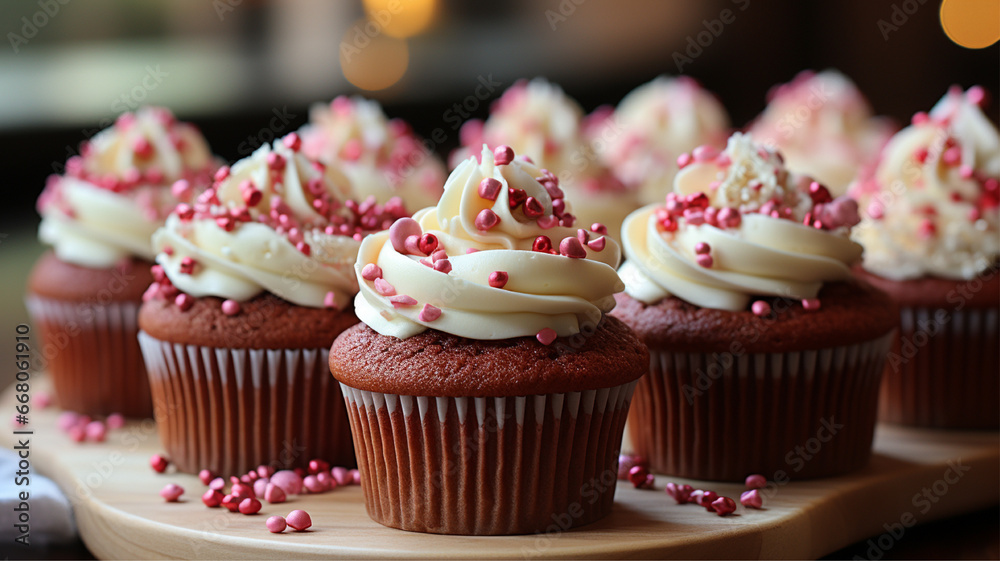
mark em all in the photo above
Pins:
pixel 121 516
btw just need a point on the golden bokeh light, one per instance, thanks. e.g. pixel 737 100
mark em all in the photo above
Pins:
pixel 371 60
pixel 401 18
pixel 974 24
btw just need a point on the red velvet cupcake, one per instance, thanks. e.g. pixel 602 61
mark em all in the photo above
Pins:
pixel 487 390
pixel 761 343
pixel 84 295
pixel 253 283
pixel 931 233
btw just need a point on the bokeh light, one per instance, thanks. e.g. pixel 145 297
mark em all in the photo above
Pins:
pixel 401 18
pixel 370 59
pixel 974 24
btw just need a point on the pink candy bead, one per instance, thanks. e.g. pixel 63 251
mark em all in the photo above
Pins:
pixel 313 485
pixel 159 463
pixel 546 336
pixel 115 421
pixel 276 524
pixel 289 481
pixel 274 493
pixel 172 492
pixel 755 481
pixel 341 475
pixel 96 431
pixel 751 499
pixel 299 520
pixel 250 506
pixel 760 308
pixel 724 506
pixel 680 493
pixel 498 279
pixel 503 155
pixel 212 498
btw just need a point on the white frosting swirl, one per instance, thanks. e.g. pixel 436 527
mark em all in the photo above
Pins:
pixel 537 119
pixel 115 195
pixel 542 291
pixel 824 128
pixel 652 126
pixel 382 157
pixel 287 247
pixel 930 209
pixel 762 256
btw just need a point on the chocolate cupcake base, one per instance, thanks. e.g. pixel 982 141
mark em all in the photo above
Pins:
pixel 723 416
pixel 488 465
pixel 91 353
pixel 232 409
pixel 944 370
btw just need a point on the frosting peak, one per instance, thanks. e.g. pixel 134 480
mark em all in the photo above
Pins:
pixel 117 191
pixel 738 225
pixel 497 258
pixel 931 205
pixel 382 156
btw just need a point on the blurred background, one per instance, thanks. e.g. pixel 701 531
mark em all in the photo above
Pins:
pixel 246 71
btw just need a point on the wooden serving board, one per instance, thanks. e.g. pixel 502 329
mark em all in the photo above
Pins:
pixel 121 516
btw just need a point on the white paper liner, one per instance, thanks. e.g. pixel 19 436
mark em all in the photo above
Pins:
pixel 455 466
pixel 90 350
pixel 944 370
pixel 694 416
pixel 231 410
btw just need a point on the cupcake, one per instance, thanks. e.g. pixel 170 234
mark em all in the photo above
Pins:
pixel 538 120
pixel 486 387
pixel 382 157
pixel 932 241
pixel 824 128
pixel 84 294
pixel 254 280
pixel 641 139
pixel 766 354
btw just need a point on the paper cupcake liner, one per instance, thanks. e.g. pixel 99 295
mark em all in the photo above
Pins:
pixel 723 417
pixel 231 410
pixel 944 370
pixel 91 353
pixel 488 466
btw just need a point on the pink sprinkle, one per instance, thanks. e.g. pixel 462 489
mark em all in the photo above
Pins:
pixel 222 173
pixel 438 255
pixel 289 481
pixel 218 484
pixel 43 399
pixel 683 160
pixel 142 147
pixel 965 172
pixel 875 210
pixel 96 431
pixel 412 245
pixel 212 498
pixel 313 484
pixel 304 248
pixel 572 248
pixel 114 420
pixel 429 313
pixel 486 219
pixel 184 301
pixel 371 272
pixel 66 420
pixel 598 244
pixel 206 476
pixel 442 266
pixel 583 235
pixel 340 475
pixel 705 261
pixel 168 250
pixel 489 189
pixel 503 155
pixel 704 153
pixel 330 300
pixel 384 288
pixel 250 506
pixel 402 301
pixel 760 308
pixel 724 506
pixel 547 221
pixel 276 524
pixel 533 208
pixel 498 279
pixel 230 307
pixel 181 190
pixel 401 230
pixel 260 485
pixel 952 156
pixel 927 229
pixel 702 248
pixel 172 492
pixel 273 493
pixel 299 520
pixel 680 493
pixel 977 96
pixel 811 304
pixel 638 474
pixel 77 433
pixel 293 141
pixel 276 161
pixel 751 499
pixel 428 244
pixel 471 250
pixel 546 336
pixel 755 481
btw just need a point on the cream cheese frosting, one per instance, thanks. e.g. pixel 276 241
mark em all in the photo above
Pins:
pixel 641 139
pixel 116 193
pixel 275 221
pixel 497 258
pixel 738 225
pixel 537 119
pixel 382 157
pixel 931 206
pixel 824 128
